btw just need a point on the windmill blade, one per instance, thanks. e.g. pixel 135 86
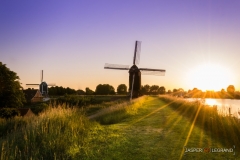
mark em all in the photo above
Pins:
pixel 41 76
pixel 136 56
pixel 116 66
pixel 51 84
pixel 149 71
pixel 32 85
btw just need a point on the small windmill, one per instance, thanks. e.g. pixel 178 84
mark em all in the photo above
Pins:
pixel 135 72
pixel 43 86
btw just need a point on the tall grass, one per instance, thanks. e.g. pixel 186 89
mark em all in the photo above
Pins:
pixel 118 112
pixel 62 132
pixel 224 129
pixel 74 100
pixel 58 133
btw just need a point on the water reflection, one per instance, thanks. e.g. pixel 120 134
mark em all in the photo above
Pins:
pixel 224 106
pixel 210 102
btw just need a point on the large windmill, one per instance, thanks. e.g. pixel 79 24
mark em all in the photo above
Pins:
pixel 43 86
pixel 135 72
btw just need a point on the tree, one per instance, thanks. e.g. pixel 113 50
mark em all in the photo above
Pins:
pixel 169 91
pixel 175 90
pixel 162 90
pixel 11 94
pixel 154 89
pixel 80 92
pixel 61 91
pixel 231 90
pixel 223 91
pixel 89 91
pixel 196 93
pixel 142 90
pixel 104 89
pixel 180 92
pixel 145 89
pixel 122 89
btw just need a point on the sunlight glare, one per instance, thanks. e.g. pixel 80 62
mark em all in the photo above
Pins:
pixel 210 77
pixel 210 102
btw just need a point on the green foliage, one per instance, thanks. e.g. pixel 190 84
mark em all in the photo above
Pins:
pixel 104 89
pixel 122 89
pixel 80 101
pixel 59 91
pixel 8 112
pixel 162 90
pixel 175 90
pixel 169 91
pixel 80 92
pixel 145 89
pixel 11 95
pixel 154 89
pixel 39 107
pixel 77 100
pixel 231 89
pixel 88 91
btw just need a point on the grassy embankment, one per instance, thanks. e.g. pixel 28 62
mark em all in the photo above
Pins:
pixel 95 101
pixel 146 128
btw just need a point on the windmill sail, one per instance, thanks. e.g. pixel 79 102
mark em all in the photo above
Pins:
pixel 116 66
pixel 136 56
pixel 41 76
pixel 149 71
pixel 32 84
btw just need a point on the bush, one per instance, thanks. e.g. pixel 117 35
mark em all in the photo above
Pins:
pixel 8 112
pixel 39 107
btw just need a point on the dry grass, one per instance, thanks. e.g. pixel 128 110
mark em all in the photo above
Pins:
pixel 118 112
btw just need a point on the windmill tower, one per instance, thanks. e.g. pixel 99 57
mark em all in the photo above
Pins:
pixel 135 72
pixel 43 86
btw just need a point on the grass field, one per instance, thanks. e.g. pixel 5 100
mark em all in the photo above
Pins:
pixel 146 128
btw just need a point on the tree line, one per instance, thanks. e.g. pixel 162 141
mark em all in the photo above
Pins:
pixel 101 89
pixel 106 89
pixel 229 93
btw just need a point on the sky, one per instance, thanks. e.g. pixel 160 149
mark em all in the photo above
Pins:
pixel 196 42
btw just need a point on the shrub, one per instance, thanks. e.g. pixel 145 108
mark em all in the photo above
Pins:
pixel 8 112
pixel 39 107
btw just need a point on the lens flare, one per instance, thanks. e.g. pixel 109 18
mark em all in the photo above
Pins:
pixel 210 77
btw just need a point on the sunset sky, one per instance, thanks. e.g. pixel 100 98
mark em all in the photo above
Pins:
pixel 197 42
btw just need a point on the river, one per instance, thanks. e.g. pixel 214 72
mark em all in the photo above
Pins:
pixel 223 105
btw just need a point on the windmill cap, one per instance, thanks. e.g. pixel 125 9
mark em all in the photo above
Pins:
pixel 134 68
pixel 44 83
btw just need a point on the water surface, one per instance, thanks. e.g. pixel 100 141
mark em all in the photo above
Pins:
pixel 223 105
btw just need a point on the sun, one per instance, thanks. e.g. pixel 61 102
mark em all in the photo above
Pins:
pixel 209 76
